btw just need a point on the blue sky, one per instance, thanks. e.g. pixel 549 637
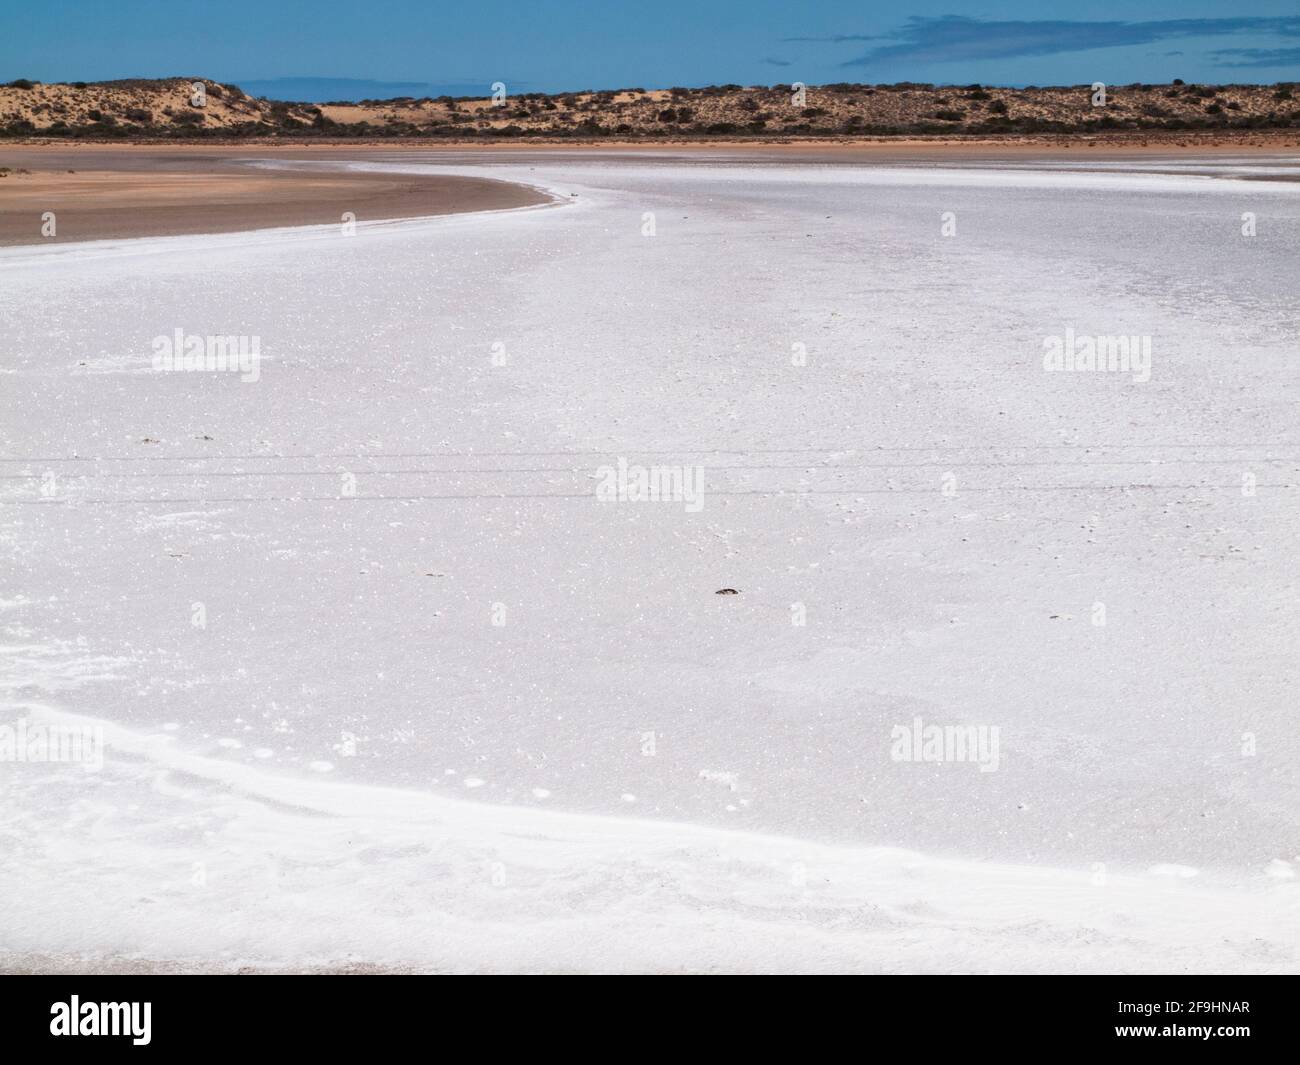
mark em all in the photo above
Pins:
pixel 345 48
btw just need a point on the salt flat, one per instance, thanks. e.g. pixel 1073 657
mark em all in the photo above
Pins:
pixel 367 648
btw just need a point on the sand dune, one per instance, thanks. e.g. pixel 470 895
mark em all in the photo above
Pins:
pixel 168 108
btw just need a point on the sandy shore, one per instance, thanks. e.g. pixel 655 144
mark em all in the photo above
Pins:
pixel 98 193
